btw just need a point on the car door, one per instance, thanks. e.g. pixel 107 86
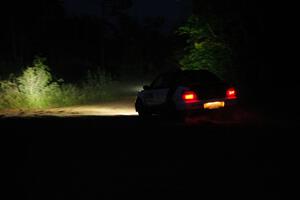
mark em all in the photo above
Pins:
pixel 156 95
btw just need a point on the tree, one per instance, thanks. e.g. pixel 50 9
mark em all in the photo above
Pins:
pixel 206 49
pixel 242 26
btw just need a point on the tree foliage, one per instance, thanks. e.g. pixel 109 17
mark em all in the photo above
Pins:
pixel 206 48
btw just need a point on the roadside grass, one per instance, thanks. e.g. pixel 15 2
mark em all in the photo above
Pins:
pixel 35 88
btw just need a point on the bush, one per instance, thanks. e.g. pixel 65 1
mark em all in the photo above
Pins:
pixel 36 85
pixel 35 89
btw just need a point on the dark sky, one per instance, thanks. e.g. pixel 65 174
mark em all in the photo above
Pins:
pixel 173 11
pixel 79 7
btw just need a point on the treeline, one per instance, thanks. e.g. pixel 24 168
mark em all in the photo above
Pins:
pixel 251 31
pixel 257 33
pixel 74 44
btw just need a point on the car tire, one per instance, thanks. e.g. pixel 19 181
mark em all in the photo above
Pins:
pixel 140 108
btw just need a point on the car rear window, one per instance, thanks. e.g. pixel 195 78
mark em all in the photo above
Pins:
pixel 198 77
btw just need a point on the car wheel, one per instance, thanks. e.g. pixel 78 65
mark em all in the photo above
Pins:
pixel 140 108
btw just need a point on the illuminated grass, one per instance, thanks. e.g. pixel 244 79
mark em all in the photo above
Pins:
pixel 35 88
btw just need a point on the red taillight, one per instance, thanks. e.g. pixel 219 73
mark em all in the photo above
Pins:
pixel 231 93
pixel 190 97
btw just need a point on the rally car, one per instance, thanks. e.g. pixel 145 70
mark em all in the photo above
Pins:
pixel 189 91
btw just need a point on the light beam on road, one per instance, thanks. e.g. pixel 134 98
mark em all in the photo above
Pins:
pixel 121 108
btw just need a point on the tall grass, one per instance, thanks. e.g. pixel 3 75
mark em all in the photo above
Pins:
pixel 35 88
pixel 10 96
pixel 96 86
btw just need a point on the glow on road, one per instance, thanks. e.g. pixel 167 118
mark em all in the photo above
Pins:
pixel 121 107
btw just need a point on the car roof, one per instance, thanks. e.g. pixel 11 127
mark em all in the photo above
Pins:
pixel 201 71
pixel 195 76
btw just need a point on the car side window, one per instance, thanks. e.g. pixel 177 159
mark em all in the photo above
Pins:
pixel 161 82
pixel 157 83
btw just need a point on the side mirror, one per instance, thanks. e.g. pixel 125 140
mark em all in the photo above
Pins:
pixel 146 87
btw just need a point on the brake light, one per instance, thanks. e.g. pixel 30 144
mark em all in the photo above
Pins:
pixel 231 93
pixel 190 97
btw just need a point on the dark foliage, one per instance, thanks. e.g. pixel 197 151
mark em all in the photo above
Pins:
pixel 261 36
pixel 74 44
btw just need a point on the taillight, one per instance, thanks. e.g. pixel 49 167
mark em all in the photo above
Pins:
pixel 190 97
pixel 231 93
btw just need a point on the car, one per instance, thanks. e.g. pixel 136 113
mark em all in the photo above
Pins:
pixel 184 92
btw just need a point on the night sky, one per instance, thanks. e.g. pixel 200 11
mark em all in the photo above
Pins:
pixel 173 11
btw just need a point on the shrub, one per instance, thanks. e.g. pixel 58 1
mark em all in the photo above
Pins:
pixel 36 85
pixel 35 88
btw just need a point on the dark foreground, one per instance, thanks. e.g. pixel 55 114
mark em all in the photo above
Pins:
pixel 122 157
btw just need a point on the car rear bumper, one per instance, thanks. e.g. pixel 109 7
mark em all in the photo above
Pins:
pixel 200 106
